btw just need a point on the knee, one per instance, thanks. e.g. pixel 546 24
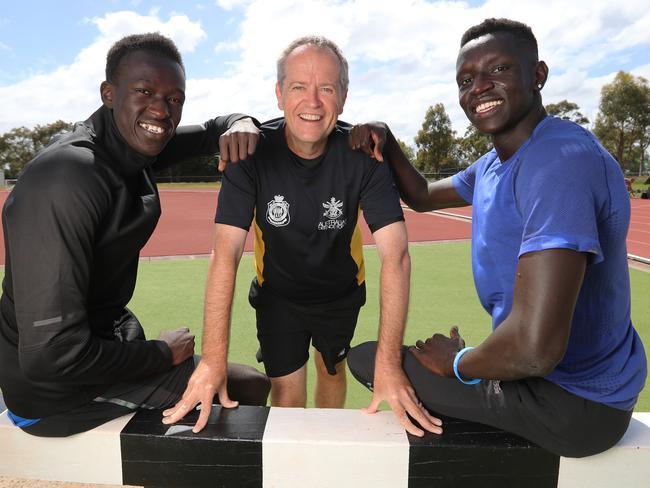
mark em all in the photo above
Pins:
pixel 325 376
pixel 260 387
pixel 259 381
pixel 249 386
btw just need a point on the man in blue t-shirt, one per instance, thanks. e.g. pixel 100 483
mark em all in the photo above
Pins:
pixel 563 366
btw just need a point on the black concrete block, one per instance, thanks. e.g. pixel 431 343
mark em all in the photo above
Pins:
pixel 227 453
pixel 470 455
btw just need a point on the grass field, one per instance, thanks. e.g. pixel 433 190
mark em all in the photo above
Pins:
pixel 212 185
pixel 170 294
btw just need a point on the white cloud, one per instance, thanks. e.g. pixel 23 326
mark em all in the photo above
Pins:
pixel 230 4
pixel 71 92
pixel 402 56
pixel 186 34
pixel 634 34
pixel 226 46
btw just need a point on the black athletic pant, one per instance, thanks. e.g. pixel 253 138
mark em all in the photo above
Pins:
pixel 164 390
pixel 533 408
pixel 245 384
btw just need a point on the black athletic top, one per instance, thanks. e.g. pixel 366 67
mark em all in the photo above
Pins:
pixel 74 226
pixel 308 245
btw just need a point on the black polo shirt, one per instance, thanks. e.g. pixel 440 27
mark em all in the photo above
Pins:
pixel 308 245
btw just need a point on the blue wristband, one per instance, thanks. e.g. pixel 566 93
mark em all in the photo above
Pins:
pixel 459 355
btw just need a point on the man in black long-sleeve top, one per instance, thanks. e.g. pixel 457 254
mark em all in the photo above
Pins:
pixel 71 355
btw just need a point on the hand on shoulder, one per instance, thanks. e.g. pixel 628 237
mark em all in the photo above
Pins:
pixel 238 142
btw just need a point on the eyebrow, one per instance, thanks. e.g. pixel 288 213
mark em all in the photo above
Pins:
pixel 147 80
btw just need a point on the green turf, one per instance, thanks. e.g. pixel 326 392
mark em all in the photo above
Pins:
pixel 211 185
pixel 170 294
pixel 639 183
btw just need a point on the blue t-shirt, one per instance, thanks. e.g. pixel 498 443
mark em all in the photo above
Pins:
pixel 561 189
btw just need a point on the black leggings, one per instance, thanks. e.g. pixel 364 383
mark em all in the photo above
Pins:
pixel 533 408
pixel 164 390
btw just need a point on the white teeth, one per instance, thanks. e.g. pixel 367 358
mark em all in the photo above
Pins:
pixel 310 117
pixel 484 107
pixel 151 128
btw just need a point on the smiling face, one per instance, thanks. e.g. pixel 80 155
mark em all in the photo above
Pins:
pixel 311 97
pixel 498 82
pixel 146 97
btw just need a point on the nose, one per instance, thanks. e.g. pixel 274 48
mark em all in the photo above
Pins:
pixel 159 108
pixel 312 96
pixel 481 84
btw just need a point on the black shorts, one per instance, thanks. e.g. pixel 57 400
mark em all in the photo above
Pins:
pixel 285 329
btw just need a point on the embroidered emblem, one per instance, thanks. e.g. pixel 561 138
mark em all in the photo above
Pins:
pixel 277 211
pixel 333 208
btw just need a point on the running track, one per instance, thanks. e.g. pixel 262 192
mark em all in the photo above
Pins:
pixel 186 226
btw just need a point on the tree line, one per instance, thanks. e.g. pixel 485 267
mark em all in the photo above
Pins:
pixel 622 125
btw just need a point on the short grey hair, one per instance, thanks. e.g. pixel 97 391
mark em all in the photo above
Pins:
pixel 320 42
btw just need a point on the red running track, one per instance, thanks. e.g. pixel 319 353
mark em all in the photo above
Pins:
pixel 638 235
pixel 187 225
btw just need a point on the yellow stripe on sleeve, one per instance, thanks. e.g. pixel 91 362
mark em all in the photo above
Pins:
pixel 356 251
pixel 259 251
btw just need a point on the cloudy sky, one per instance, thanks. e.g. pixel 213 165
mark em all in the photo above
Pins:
pixel 402 53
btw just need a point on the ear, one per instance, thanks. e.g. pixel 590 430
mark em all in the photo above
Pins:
pixel 278 95
pixel 541 75
pixel 106 93
pixel 343 99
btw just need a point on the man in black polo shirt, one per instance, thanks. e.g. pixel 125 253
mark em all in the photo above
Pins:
pixel 302 191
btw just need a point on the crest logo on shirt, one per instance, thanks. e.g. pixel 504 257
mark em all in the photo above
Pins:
pixel 277 211
pixel 333 208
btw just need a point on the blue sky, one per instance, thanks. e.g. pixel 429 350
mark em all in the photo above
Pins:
pixel 402 53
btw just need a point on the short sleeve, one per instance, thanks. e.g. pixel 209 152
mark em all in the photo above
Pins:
pixel 237 196
pixel 559 192
pixel 463 182
pixel 379 198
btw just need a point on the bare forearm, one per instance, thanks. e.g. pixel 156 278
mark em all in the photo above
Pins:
pixel 394 299
pixel 415 190
pixel 412 186
pixel 219 293
pixel 503 356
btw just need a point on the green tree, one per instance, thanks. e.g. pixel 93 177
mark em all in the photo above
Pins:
pixel 622 121
pixel 472 146
pixel 407 150
pixel 20 145
pixel 567 110
pixel 435 141
pixel 16 148
pixel 642 145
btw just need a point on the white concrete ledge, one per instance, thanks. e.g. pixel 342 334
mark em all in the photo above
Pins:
pixel 330 447
pixel 90 457
pixel 626 465
pixel 298 447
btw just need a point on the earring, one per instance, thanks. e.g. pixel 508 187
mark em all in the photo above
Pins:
pixel 539 86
